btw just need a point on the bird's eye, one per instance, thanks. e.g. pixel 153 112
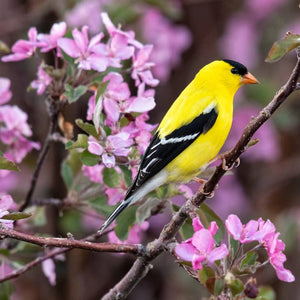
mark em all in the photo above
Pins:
pixel 234 71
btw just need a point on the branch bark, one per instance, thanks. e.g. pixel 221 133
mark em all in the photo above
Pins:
pixel 71 243
pixel 140 267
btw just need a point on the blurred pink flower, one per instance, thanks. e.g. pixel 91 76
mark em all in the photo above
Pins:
pixel 86 12
pixel 134 235
pixel 48 267
pixel 83 50
pixel 5 93
pixel 23 49
pixel 5 269
pixel 169 42
pixel 267 149
pixel 240 40
pixel 49 41
pixel 262 9
pixel 6 201
pixel 43 80
pixel 201 247
pixel 94 173
pixel 13 132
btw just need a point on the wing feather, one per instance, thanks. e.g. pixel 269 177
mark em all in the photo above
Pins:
pixel 161 152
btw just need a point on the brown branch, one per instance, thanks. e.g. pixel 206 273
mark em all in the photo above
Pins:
pixel 32 264
pixel 141 266
pixel 54 107
pixel 71 243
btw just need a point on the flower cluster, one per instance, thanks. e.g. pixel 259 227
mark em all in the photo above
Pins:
pixel 14 129
pixel 264 232
pixel 201 248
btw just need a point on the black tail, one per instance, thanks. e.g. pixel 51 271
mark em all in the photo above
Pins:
pixel 113 216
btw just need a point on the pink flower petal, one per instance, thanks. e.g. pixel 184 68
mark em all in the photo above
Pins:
pixel 197 225
pixel 108 160
pixel 69 46
pixel 218 253
pixel 234 226
pixel 186 251
pixel 203 241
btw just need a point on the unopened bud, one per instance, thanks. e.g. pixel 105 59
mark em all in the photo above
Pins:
pixel 251 290
pixel 229 278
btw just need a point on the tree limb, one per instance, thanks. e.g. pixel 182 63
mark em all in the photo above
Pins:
pixel 71 243
pixel 141 266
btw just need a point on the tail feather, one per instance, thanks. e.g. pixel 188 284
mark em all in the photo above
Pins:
pixel 114 215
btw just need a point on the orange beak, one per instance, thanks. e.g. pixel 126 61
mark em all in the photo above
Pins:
pixel 248 78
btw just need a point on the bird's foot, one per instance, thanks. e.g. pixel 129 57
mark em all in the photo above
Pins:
pixel 199 180
pixel 235 164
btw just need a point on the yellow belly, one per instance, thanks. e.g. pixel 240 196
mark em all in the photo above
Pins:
pixel 195 158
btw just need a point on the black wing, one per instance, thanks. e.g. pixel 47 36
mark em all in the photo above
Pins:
pixel 161 152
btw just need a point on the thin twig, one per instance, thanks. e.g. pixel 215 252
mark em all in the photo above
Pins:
pixel 70 243
pixel 141 266
pixel 53 112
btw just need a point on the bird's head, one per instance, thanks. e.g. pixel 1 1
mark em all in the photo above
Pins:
pixel 227 74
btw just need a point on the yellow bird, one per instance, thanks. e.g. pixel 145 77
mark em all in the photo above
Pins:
pixel 191 133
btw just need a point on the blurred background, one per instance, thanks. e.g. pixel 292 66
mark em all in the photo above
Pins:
pixel 186 35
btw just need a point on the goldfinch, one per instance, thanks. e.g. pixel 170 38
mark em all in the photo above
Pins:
pixel 191 133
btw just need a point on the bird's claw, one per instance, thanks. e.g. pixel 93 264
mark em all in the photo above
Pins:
pixel 235 164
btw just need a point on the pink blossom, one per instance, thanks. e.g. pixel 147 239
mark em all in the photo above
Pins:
pixel 13 132
pixel 94 173
pixel 115 145
pixel 134 235
pixel 6 202
pixel 49 41
pixel 262 9
pixel 86 13
pixel 201 248
pixel 15 119
pixel 5 93
pixel 169 42
pixel 41 83
pixel 23 49
pixel 240 32
pixel 141 67
pixel 267 148
pixel 83 50
pixel 48 267
pixel 264 233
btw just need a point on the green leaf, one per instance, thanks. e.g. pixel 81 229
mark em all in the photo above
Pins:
pixel 16 216
pixel 283 46
pixel 87 127
pixel 125 222
pixel 207 277
pixel 6 290
pixel 66 174
pixel 39 217
pixel 219 286
pixel 127 174
pixel 265 293
pixel 187 229
pixel 81 142
pixel 73 94
pixel 6 164
pixel 234 245
pixel 111 177
pixel 4 48
pixel 89 159
pixel 101 206
pixel 70 60
pixel 207 215
pixel 236 287
pixel 101 89
pixel 249 259
pixel 143 212
pixel 74 162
